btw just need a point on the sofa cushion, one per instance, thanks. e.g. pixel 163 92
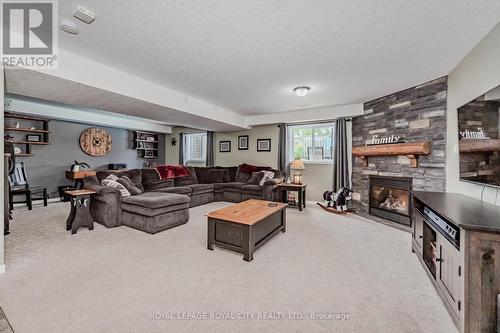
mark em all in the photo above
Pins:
pixel 201 174
pixel 201 188
pixel 233 185
pixel 227 176
pixel 150 176
pixel 188 180
pixel 145 211
pixel 232 173
pixel 255 178
pixel 251 188
pixel 218 186
pixel 186 190
pixel 156 199
pixel 216 176
pixel 129 185
pixel 242 177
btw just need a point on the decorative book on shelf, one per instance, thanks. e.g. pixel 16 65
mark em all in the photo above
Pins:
pixel 24 131
pixel 146 143
pixel 409 149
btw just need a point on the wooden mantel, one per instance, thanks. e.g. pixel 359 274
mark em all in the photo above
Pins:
pixel 408 149
pixel 477 145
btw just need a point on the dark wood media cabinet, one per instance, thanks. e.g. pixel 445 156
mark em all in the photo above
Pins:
pixel 457 240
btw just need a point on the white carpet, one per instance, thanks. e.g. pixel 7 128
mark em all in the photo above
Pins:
pixel 110 280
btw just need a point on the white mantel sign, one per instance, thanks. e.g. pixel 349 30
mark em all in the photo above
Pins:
pixel 479 134
pixel 375 140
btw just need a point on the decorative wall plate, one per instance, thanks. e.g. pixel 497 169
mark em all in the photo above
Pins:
pixel 95 141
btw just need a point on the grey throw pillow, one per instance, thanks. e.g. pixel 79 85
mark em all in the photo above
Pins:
pixel 255 178
pixel 129 185
pixel 242 177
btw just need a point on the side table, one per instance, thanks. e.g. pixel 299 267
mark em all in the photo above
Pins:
pixel 80 213
pixel 78 176
pixel 301 188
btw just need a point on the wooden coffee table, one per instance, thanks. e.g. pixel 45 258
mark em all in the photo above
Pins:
pixel 246 226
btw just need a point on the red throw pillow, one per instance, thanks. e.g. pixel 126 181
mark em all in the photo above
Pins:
pixel 179 171
pixel 171 171
pixel 247 168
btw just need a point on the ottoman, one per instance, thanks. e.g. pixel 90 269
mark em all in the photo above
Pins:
pixel 153 212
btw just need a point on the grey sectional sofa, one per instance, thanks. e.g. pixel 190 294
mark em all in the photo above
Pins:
pixel 165 204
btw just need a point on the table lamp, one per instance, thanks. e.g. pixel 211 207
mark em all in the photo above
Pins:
pixel 297 176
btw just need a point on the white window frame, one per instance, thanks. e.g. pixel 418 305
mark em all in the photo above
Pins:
pixel 312 125
pixel 187 148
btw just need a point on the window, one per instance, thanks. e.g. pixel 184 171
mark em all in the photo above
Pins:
pixel 312 142
pixel 195 147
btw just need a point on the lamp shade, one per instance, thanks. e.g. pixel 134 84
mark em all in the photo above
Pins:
pixel 297 165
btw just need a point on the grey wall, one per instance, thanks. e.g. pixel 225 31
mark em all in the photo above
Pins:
pixel 415 114
pixel 48 164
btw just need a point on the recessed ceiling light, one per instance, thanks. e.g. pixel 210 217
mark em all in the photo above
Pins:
pixel 69 27
pixel 301 91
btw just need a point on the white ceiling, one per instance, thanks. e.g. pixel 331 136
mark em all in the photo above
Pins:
pixel 246 56
pixel 51 88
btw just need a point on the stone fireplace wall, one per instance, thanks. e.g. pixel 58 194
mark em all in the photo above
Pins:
pixel 414 114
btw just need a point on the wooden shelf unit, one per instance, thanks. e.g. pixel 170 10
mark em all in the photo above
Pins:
pixel 40 128
pixel 147 149
pixel 408 149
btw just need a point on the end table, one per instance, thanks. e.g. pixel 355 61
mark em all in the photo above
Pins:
pixel 301 188
pixel 80 213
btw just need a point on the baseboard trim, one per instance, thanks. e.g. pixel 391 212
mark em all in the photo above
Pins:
pixel 2 269
pixel 37 202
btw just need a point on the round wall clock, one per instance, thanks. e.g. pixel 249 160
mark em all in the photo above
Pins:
pixel 95 141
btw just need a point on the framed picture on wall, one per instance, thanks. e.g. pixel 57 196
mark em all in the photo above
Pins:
pixel 225 146
pixel 243 142
pixel 263 144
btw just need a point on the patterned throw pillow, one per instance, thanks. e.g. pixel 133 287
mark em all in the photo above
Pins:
pixel 111 181
pixel 267 175
pixel 129 185
pixel 255 178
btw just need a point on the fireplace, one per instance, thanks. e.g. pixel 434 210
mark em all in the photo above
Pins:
pixel 390 198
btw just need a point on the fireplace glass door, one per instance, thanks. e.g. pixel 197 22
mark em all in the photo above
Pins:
pixel 391 199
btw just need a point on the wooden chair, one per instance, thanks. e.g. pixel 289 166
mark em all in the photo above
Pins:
pixel 19 185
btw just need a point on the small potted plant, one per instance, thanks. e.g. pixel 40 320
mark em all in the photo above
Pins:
pixel 76 167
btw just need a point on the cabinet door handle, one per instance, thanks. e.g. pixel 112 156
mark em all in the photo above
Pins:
pixel 421 236
pixel 438 259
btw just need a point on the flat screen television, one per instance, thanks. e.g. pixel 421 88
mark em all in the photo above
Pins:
pixel 479 139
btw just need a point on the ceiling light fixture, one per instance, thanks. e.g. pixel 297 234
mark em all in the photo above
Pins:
pixel 69 27
pixel 301 91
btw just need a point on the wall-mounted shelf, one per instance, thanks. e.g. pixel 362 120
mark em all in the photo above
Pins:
pixel 27 130
pixel 145 141
pixel 409 149
pixel 32 126
pixel 29 142
pixel 146 148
